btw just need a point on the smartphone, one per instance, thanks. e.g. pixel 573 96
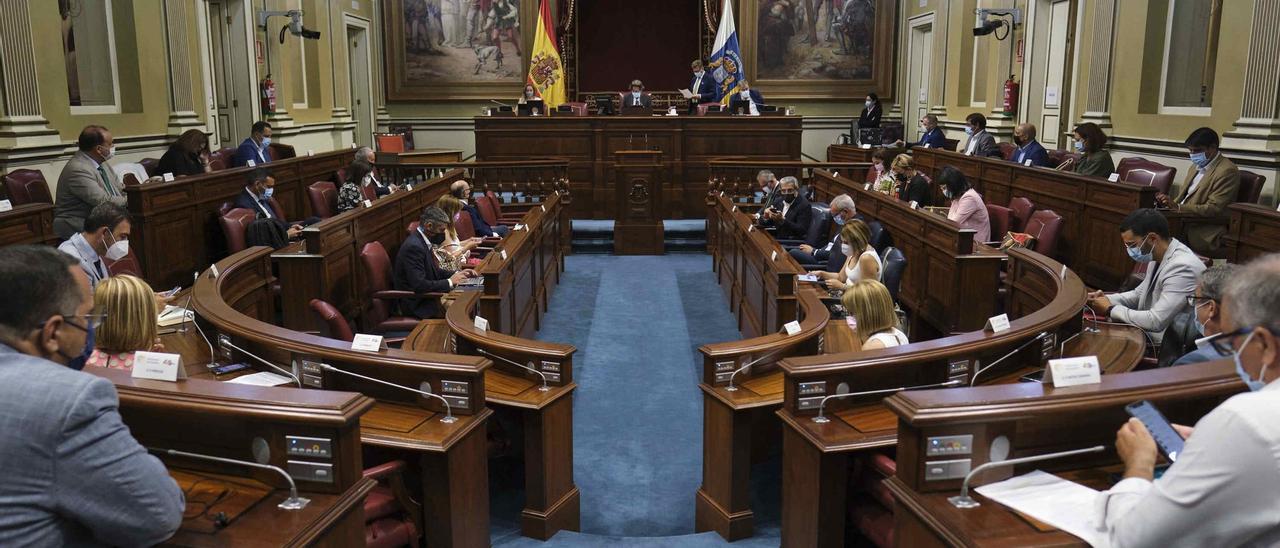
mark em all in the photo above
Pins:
pixel 1034 376
pixel 229 368
pixel 1167 439
pixel 173 291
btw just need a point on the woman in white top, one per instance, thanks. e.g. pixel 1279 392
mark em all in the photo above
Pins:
pixel 861 260
pixel 869 303
pixel 453 254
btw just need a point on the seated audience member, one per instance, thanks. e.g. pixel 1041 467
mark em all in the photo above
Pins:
pixel 70 472
pixel 256 148
pixel 256 197
pixel 380 187
pixel 874 320
pixel 768 186
pixel 910 184
pixel 462 191
pixel 349 194
pixel 267 232
pixel 842 211
pixel 980 143
pixel 871 113
pixel 637 97
pixel 861 260
pixel 1222 489
pixel 1028 147
pixel 86 181
pixel 453 253
pixel 1171 276
pixel 791 213
pixel 417 268
pixel 747 101
pixel 967 207
pixel 530 93
pixel 129 313
pixel 931 135
pixel 879 173
pixel 1206 310
pixel 1208 190
pixel 105 236
pixel 189 155
pixel 1095 162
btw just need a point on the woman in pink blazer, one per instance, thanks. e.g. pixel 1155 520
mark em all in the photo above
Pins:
pixel 967 208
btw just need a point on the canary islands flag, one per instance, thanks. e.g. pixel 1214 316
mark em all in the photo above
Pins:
pixel 546 72
pixel 726 57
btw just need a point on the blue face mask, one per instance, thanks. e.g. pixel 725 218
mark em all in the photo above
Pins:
pixel 266 142
pixel 1254 385
pixel 1136 253
pixel 78 362
pixel 266 194
pixel 946 193
pixel 839 220
pixel 968 130
pixel 1079 146
pixel 1199 159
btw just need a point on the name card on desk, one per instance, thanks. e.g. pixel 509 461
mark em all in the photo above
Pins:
pixel 997 324
pixel 915 205
pixel 252 163
pixel 774 257
pixel 1114 177
pixel 366 342
pixel 481 323
pixel 368 203
pixel 866 186
pixel 168 177
pixel 1026 162
pixel 310 153
pixel 544 208
pixel 750 228
pixel 792 327
pixel 158 366
pixel 6 205
pixel 503 252
pixel 1074 371
pixel 408 187
pixel 518 227
pixel 735 209
pixel 866 146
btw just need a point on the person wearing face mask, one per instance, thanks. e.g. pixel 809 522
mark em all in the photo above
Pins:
pixel 380 187
pixel 910 185
pixel 1209 189
pixel 461 190
pixel 703 86
pixel 979 143
pixel 746 101
pixel 257 197
pixel 1222 489
pixel 1171 277
pixel 637 97
pixel 86 181
pixel 256 148
pixel 790 214
pixel 1095 162
pixel 879 176
pixel 1028 147
pixel 931 135
pixel 418 270
pixel 71 474
pixel 967 207
pixel 105 238
pixel 1206 311
pixel 871 112
pixel 189 155
pixel 842 211
pixel 861 260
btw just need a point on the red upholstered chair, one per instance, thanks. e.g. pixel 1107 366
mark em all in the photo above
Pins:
pixel 1000 218
pixel 221 158
pixel 333 319
pixel 234 224
pixel 578 109
pixel 1045 226
pixel 1007 150
pixel 281 151
pixel 1022 208
pixel 275 208
pixel 389 142
pixel 126 265
pixel 702 108
pixel 1141 171
pixel 391 517
pixel 952 144
pixel 504 217
pixel 462 225
pixel 324 198
pixel 380 294
pixel 26 186
pixel 1056 157
pixel 369 192
pixel 151 165
pixel 1250 187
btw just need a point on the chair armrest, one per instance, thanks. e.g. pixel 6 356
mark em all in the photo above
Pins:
pixel 397 294
pixel 383 470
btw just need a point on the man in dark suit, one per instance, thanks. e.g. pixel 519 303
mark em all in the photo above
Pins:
pixel 417 268
pixel 790 213
pixel 703 86
pixel 462 191
pixel 1028 147
pixel 842 209
pixel 931 135
pixel 746 101
pixel 254 149
pixel 256 196
pixel 637 97
pixel 381 188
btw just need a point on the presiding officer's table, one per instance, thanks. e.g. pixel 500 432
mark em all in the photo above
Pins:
pixel 589 143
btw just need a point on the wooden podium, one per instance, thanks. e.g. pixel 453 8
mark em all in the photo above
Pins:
pixel 637 177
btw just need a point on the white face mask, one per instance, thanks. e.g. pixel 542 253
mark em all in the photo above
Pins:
pixel 745 94
pixel 635 93
pixel 846 250
pixel 118 249
pixel 111 153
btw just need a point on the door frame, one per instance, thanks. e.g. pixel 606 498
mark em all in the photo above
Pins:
pixel 1070 76
pixel 349 20
pixel 244 53
pixel 924 19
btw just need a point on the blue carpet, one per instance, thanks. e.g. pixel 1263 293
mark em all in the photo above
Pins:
pixel 637 323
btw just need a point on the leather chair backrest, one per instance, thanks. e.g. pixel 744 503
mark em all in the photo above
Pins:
pixel 702 108
pixel 1045 226
pixel 1056 157
pixel 27 186
pixel 126 265
pixel 369 192
pixel 337 323
pixel 1141 171
pixel 377 269
pixel 339 176
pixel 880 238
pixel 413 226
pixel 275 206
pixel 221 158
pixel 1007 150
pixel 895 263
pixel 234 224
pixel 999 217
pixel 151 165
pixel 952 144
pixel 488 207
pixel 578 109
pixel 1250 187
pixel 281 151
pixel 1022 208
pixel 462 226
pixel 389 142
pixel 835 257
pixel 324 198
pixel 819 226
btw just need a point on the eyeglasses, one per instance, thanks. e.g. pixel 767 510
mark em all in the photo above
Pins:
pixel 91 321
pixel 1195 302
pixel 1225 343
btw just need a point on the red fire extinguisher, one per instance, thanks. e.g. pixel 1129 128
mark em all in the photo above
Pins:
pixel 1010 96
pixel 267 89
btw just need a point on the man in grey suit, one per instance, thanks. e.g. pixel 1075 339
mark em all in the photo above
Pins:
pixel 70 472
pixel 86 181
pixel 980 143
pixel 1171 276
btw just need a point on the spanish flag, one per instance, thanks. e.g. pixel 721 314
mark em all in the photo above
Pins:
pixel 546 72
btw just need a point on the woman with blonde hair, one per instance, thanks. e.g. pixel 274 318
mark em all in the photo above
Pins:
pixel 861 260
pixel 875 322
pixel 453 253
pixel 129 310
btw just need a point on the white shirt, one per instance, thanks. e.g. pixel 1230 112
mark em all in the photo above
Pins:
pixel 1195 182
pixel 973 143
pixel 890 337
pixel 92 264
pixel 751 105
pixel 1221 492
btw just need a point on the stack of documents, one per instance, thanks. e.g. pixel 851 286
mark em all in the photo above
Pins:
pixel 1043 496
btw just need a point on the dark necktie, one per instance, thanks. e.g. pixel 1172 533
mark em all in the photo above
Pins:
pixel 106 182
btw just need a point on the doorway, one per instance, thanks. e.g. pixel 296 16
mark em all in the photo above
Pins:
pixel 1051 51
pixel 920 52
pixel 233 74
pixel 361 80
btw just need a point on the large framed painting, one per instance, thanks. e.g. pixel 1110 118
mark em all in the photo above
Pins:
pixel 811 49
pixel 457 49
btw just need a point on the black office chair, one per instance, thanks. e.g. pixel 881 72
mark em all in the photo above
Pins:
pixel 894 264
pixel 880 238
pixel 819 228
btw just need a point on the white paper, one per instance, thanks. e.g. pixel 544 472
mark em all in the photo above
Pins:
pixel 168 177
pixel 174 315
pixel 1114 177
pixel 157 365
pixel 998 323
pixel 6 205
pixel 774 257
pixel 866 146
pixel 252 163
pixel 481 323
pixel 1075 371
pixel 792 327
pixel 866 186
pixel 366 342
pixel 544 208
pixel 368 203
pixel 503 252
pixel 686 94
pixel 915 205
pixel 1027 162
pixel 311 152
pixel 1050 96
pixel 1048 498
pixel 262 378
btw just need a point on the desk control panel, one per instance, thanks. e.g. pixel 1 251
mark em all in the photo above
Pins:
pixel 947 469
pixel 949 445
pixel 301 446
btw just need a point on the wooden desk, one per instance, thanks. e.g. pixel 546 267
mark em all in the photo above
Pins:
pixel 1254 231
pixel 27 224
pixel 855 153
pixel 589 142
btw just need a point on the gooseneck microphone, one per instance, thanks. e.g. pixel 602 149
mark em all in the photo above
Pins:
pixel 1040 336
pixel 542 388
pixel 264 362
pixel 294 502
pixel 731 387
pixel 213 362
pixel 963 500
pixel 822 419
pixel 448 417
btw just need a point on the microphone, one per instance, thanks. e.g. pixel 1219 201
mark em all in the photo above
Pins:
pixel 499 103
pixel 1042 335
pixel 448 411
pixel 294 502
pixel 731 387
pixel 542 388
pixel 1062 348
pixel 186 306
pixel 822 419
pixel 963 500
pixel 1094 314
pixel 267 363
pixel 212 357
